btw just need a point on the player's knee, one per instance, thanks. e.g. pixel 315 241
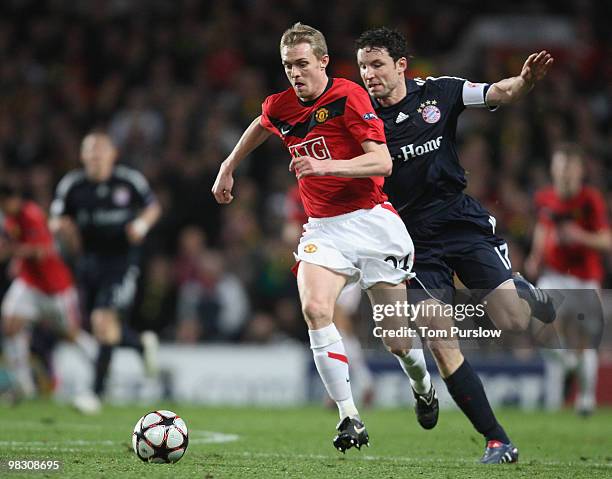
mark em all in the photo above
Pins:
pixel 317 313
pixel 105 327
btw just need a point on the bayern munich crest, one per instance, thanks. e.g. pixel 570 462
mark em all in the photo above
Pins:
pixel 429 111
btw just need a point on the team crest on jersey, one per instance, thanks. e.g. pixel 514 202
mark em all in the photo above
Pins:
pixel 429 111
pixel 321 115
pixel 121 196
pixel 310 248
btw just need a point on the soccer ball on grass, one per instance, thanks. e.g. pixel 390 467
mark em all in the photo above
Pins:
pixel 160 437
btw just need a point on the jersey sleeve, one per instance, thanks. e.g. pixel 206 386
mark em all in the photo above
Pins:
pixel 61 204
pixel 542 210
pixel 265 120
pixel 36 232
pixel 360 119
pixel 474 95
pixel 600 216
pixel 139 183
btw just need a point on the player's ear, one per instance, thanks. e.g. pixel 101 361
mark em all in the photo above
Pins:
pixel 323 61
pixel 402 64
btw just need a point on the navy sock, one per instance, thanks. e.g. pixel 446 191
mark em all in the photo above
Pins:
pixel 102 363
pixel 467 390
pixel 131 339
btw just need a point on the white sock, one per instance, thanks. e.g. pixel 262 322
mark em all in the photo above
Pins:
pixel 332 365
pixel 415 368
pixel 587 377
pixel 17 354
pixel 554 374
pixel 358 366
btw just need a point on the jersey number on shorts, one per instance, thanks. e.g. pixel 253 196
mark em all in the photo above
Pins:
pixel 502 252
pixel 401 263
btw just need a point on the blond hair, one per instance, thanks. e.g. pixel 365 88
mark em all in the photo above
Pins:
pixel 300 33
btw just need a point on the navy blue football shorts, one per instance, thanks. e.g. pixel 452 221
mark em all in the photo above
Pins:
pixel 108 282
pixel 459 240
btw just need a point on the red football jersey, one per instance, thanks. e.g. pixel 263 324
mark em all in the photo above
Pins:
pixel 332 127
pixel 587 209
pixel 48 274
pixel 294 209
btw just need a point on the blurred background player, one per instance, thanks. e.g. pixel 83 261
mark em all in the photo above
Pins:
pixel 571 234
pixel 346 306
pixel 104 211
pixel 453 232
pixel 41 292
pixel 339 156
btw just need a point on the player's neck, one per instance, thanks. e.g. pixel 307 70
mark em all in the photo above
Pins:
pixel 319 91
pixel 395 96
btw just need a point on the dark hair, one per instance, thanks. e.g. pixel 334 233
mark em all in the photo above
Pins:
pixel 392 40
pixel 570 150
pixel 8 191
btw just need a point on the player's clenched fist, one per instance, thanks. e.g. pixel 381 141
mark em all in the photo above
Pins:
pixel 309 166
pixel 222 189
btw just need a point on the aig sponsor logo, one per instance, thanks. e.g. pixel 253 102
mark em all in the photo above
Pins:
pixel 315 148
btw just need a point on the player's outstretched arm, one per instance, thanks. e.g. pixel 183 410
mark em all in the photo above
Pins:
pixel 252 137
pixel 512 89
pixel 534 260
pixel 376 161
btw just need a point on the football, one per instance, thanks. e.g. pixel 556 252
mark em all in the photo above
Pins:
pixel 160 437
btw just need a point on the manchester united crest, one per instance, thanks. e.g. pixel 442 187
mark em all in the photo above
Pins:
pixel 310 248
pixel 429 111
pixel 321 115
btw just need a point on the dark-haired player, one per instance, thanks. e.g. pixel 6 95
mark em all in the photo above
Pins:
pixel 110 208
pixel 452 232
pixel 353 234
pixel 571 234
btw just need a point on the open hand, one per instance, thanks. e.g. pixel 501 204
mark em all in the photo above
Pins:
pixel 536 66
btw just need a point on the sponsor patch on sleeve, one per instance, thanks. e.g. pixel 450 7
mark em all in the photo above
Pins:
pixel 370 116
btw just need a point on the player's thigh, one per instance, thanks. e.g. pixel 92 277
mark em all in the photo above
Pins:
pixel 119 291
pixel 319 288
pixel 20 305
pixel 105 325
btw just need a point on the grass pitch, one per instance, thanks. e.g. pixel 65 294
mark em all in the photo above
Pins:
pixel 292 443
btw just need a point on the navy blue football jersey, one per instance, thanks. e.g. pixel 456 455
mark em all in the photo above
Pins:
pixel 420 131
pixel 102 210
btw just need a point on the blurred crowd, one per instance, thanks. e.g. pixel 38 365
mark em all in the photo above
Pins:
pixel 176 81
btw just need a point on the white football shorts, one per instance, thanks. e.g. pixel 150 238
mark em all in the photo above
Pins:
pixel 553 280
pixel 367 246
pixel 25 301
